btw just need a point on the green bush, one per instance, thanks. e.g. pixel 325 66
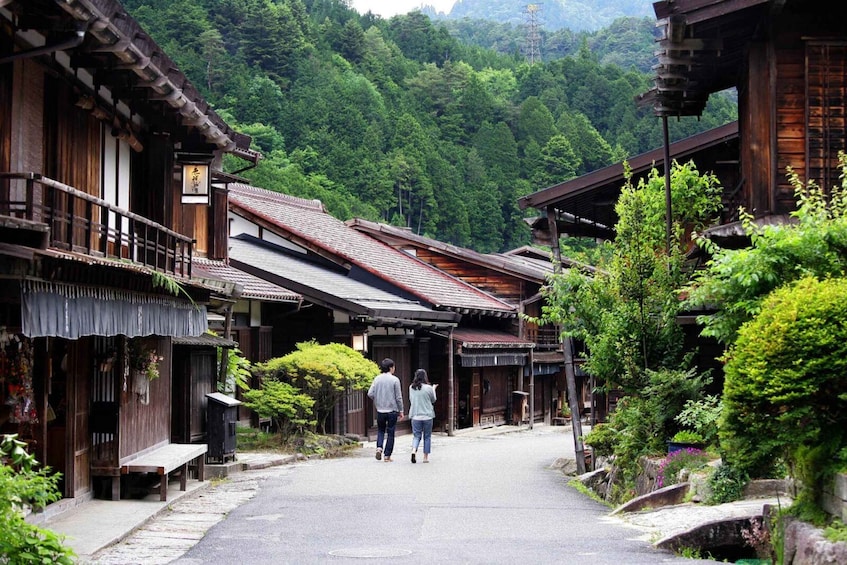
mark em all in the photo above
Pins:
pixel 601 438
pixel 22 485
pixel 288 408
pixel 701 416
pixel 785 384
pixel 325 372
pixel 685 436
pixel 727 484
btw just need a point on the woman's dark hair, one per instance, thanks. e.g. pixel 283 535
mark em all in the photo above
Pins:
pixel 386 365
pixel 420 379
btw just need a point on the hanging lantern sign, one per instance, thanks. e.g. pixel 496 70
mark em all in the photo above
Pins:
pixel 195 183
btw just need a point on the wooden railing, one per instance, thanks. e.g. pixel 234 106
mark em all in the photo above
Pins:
pixel 82 223
pixel 544 337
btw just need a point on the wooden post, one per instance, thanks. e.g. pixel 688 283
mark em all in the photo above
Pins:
pixel 451 391
pixel 567 345
pixel 668 211
pixel 531 389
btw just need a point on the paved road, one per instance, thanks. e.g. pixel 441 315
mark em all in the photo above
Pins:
pixel 491 499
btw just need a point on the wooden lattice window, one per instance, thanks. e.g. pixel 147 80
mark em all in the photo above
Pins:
pixel 826 99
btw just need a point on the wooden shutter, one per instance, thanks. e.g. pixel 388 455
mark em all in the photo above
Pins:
pixel 826 98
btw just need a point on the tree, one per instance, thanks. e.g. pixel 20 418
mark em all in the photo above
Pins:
pixel 352 43
pixel 326 373
pixel 594 151
pixel 558 162
pixel 535 123
pixel 212 49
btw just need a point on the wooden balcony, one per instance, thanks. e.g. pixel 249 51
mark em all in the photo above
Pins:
pixel 80 223
pixel 546 338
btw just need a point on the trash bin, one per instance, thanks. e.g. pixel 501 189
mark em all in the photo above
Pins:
pixel 221 418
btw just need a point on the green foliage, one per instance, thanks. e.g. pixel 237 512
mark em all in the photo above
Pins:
pixel 836 532
pixel 625 314
pixel 727 484
pixel 289 409
pixel 686 436
pixel 701 416
pixel 785 382
pixel 237 373
pixel 22 485
pixel 670 467
pixel 602 439
pixel 736 281
pixel 323 372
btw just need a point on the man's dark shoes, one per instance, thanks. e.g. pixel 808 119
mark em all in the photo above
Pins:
pixel 378 454
pixel 414 459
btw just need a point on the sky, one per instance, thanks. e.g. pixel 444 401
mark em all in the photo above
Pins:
pixel 388 8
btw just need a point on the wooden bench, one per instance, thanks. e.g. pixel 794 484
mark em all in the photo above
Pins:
pixel 168 458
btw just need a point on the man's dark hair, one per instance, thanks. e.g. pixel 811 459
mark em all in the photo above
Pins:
pixel 386 365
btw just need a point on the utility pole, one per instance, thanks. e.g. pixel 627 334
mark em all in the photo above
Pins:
pixel 533 36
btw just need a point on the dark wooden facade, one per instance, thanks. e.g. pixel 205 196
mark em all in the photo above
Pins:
pixel 90 210
pixel 787 61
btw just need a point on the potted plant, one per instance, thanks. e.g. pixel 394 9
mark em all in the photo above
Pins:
pixel 566 413
pixel 685 439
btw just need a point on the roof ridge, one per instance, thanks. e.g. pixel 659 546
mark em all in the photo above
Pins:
pixel 272 195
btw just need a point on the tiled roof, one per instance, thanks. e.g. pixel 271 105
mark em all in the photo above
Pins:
pixel 252 287
pixel 326 285
pixel 308 221
pixel 470 337
pixel 496 262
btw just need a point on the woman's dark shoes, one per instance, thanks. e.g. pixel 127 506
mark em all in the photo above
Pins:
pixel 414 458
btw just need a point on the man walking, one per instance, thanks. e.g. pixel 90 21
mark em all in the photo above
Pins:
pixel 388 401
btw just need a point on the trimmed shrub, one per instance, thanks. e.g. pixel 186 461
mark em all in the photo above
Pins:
pixel 785 384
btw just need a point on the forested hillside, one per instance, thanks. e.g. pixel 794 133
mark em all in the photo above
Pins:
pixel 575 15
pixel 398 121
pixel 626 42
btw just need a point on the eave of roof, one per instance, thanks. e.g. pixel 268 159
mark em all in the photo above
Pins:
pixel 252 287
pixel 393 235
pixel 220 287
pixel 701 51
pixel 487 339
pixel 331 288
pixel 613 174
pixel 108 30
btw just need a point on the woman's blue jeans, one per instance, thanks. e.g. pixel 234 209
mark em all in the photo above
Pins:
pixel 422 428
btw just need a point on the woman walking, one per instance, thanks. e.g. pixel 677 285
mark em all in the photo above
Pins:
pixel 422 413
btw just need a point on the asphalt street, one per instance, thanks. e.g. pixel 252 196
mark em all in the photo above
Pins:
pixel 482 499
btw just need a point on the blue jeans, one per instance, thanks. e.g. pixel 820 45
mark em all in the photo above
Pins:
pixel 422 428
pixel 385 424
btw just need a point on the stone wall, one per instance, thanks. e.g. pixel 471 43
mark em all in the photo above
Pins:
pixel 835 497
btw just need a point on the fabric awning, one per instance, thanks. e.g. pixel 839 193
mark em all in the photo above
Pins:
pixel 52 309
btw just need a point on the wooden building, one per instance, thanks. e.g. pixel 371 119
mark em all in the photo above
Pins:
pixel 108 191
pixel 407 308
pixel 515 277
pixel 786 60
